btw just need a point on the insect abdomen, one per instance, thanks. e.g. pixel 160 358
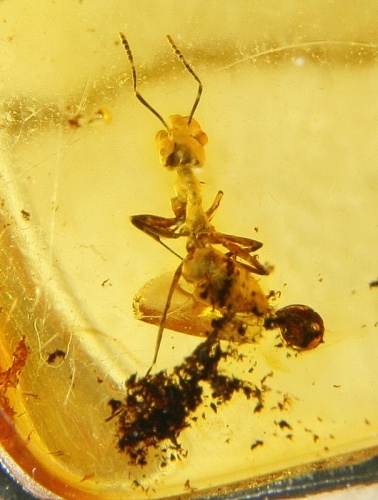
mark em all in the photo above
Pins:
pixel 223 283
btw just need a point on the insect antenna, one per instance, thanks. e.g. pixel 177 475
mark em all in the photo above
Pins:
pixel 125 43
pixel 191 71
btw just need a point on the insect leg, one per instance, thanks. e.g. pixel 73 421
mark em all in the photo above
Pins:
pixel 172 288
pixel 243 253
pixel 157 227
pixel 246 243
pixel 214 207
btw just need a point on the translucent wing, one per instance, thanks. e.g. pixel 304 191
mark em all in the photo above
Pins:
pixel 186 314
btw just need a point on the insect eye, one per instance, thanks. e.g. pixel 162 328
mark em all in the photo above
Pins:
pixel 170 160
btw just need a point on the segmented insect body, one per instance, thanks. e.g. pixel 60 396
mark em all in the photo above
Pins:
pixel 222 281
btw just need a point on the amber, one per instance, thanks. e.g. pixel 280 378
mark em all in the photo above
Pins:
pixel 289 107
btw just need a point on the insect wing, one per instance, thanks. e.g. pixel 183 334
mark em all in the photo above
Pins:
pixel 187 315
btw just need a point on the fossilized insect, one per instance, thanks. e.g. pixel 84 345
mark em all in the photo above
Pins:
pixel 223 282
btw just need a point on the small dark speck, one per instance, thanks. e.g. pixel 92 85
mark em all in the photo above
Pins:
pixel 258 408
pixel 263 380
pixel 284 425
pixel 257 443
pixel 25 215
pixel 31 395
pixel 188 486
pixel 367 422
pixel 58 353
pixel 336 386
pixel 213 406
pixel 373 284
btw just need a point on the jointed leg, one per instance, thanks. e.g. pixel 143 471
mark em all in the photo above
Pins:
pixel 211 211
pixel 242 252
pixel 157 227
pixel 172 289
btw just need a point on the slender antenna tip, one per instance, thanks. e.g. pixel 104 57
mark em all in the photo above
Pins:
pixel 191 71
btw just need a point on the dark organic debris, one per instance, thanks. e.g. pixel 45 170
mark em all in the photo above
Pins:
pixel 373 284
pixel 53 356
pixel 159 407
pixel 284 425
pixel 257 443
pixel 26 215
